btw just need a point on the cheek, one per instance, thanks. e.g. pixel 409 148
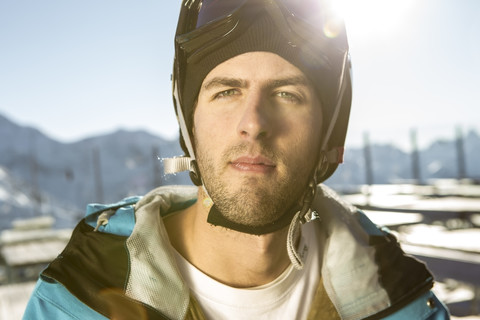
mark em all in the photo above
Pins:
pixel 313 128
pixel 209 124
pixel 306 139
pixel 306 127
pixel 209 133
pixel 200 122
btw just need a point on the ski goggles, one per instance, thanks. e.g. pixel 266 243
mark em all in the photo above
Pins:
pixel 204 25
pixel 309 11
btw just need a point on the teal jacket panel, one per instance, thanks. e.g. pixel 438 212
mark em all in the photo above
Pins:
pixel 426 307
pixel 51 300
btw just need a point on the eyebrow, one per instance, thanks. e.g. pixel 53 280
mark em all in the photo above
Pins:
pixel 290 81
pixel 240 83
pixel 225 82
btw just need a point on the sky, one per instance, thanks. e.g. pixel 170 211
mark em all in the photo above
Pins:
pixel 75 69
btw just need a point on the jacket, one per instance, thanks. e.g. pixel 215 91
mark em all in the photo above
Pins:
pixel 119 264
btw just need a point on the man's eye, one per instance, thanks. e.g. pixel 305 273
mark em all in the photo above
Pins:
pixel 290 97
pixel 225 93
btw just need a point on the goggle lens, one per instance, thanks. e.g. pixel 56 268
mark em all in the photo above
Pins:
pixel 214 9
pixel 307 10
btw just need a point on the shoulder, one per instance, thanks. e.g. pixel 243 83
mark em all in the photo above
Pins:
pixel 64 291
pixel 119 218
pixel 365 268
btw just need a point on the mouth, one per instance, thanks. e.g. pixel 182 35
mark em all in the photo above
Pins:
pixel 254 164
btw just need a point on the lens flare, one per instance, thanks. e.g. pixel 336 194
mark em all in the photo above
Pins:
pixel 370 17
pixel 332 27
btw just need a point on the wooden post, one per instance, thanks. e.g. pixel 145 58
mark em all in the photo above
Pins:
pixel 462 171
pixel 415 158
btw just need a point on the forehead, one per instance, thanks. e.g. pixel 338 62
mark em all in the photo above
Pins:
pixel 256 66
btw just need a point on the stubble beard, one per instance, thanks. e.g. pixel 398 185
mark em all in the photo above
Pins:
pixel 254 201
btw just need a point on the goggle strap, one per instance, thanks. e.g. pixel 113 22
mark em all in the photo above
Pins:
pixel 338 105
pixel 181 122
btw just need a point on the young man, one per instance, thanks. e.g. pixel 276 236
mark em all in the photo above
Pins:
pixel 262 91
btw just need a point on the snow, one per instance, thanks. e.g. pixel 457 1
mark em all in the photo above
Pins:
pixel 13 300
pixel 439 236
pixel 3 194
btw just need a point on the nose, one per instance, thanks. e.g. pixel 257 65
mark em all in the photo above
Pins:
pixel 255 119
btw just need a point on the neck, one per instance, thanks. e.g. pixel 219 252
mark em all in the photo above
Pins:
pixel 233 258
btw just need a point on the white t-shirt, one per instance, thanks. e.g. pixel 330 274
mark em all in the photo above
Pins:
pixel 287 297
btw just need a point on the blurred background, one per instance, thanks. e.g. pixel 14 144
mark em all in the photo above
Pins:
pixel 86 116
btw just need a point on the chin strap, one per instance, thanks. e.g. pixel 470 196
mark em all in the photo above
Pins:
pixel 301 217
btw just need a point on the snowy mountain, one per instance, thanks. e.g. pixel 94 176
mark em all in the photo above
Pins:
pixel 19 201
pixel 39 175
pixel 106 168
pixel 392 165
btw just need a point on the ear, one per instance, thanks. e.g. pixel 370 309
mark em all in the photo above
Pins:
pixel 195 174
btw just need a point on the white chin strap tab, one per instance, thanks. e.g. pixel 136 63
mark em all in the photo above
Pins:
pixel 177 164
pixel 293 234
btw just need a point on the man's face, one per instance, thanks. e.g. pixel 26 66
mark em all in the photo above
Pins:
pixel 257 127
